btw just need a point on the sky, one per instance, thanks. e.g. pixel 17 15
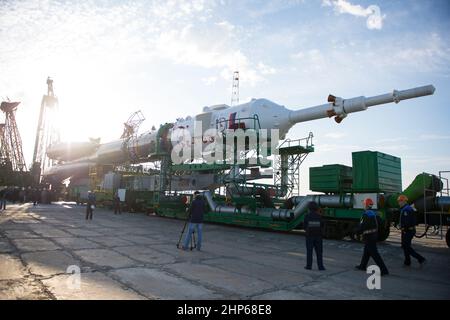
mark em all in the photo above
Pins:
pixel 169 59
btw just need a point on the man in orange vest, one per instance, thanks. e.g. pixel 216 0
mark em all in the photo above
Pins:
pixel 368 227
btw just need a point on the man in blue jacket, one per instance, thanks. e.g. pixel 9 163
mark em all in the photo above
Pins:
pixel 368 227
pixel 91 202
pixel 196 212
pixel 313 227
pixel 408 228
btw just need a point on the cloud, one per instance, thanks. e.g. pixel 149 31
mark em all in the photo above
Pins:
pixel 311 61
pixel 428 137
pixel 412 53
pixel 178 10
pixel 437 162
pixel 265 69
pixel 335 135
pixel 431 53
pixel 421 137
pixel 226 26
pixel 392 148
pixel 269 7
pixel 209 80
pixel 391 140
pixel 178 31
pixel 211 48
pixel 372 12
pixel 328 147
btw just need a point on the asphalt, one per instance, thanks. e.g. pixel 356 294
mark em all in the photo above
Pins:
pixel 134 256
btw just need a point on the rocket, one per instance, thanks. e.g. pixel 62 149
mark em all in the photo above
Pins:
pixel 75 158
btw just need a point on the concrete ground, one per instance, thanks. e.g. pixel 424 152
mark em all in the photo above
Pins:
pixel 134 256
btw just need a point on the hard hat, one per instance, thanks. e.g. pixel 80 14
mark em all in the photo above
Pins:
pixel 368 202
pixel 402 198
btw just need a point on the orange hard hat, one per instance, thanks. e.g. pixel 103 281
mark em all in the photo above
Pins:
pixel 402 198
pixel 368 202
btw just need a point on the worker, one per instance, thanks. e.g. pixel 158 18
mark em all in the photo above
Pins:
pixel 368 227
pixel 313 227
pixel 90 206
pixel 116 202
pixel 35 196
pixel 22 195
pixel 15 194
pixel 195 213
pixel 29 195
pixel 45 196
pixel 3 194
pixel 408 229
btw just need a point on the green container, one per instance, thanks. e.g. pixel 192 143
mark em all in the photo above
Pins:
pixel 333 178
pixel 374 171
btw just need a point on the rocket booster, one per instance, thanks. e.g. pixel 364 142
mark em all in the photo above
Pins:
pixel 256 114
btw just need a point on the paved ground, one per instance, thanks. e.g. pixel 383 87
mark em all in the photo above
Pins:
pixel 133 256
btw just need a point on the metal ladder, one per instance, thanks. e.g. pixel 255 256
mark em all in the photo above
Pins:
pixel 292 153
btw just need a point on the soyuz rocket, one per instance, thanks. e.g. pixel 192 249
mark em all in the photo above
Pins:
pixel 74 159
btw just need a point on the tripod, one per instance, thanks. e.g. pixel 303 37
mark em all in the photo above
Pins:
pixel 193 242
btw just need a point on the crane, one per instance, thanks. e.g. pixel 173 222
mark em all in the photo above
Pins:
pixel 11 142
pixel 47 133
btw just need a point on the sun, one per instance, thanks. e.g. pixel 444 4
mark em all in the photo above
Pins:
pixel 86 108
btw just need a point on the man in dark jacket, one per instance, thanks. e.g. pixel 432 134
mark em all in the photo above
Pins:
pixel 35 196
pixel 196 212
pixel 3 194
pixel 368 227
pixel 116 203
pixel 313 227
pixel 91 201
pixel 408 228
